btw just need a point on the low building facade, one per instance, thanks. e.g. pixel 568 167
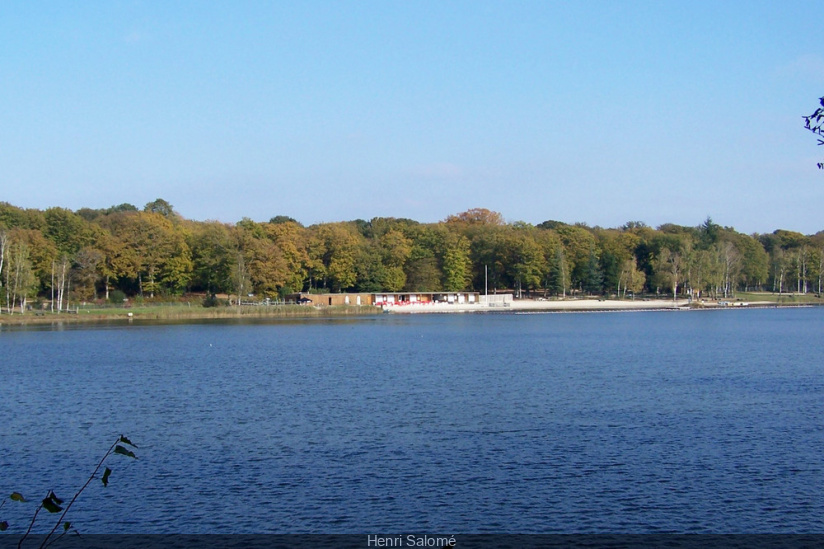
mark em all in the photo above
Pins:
pixel 383 299
pixel 328 300
pixel 390 299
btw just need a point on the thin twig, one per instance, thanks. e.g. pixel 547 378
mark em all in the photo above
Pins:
pixel 66 509
pixel 31 525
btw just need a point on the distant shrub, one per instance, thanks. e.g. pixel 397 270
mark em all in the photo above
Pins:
pixel 213 301
pixel 117 297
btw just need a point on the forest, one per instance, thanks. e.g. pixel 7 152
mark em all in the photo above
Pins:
pixel 62 256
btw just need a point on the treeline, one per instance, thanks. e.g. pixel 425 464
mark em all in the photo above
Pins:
pixel 61 255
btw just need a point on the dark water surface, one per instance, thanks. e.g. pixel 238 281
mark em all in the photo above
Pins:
pixel 559 423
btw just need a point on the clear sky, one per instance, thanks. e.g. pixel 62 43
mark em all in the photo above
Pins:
pixel 600 112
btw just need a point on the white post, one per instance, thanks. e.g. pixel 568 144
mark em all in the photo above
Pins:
pixel 486 284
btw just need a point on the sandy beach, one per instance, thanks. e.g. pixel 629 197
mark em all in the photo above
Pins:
pixel 528 305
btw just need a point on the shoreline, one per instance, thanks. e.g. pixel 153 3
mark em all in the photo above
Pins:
pixel 587 305
pixel 523 305
pixel 294 312
pixel 184 314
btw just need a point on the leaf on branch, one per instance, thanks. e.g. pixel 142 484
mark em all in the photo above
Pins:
pixel 50 506
pixel 17 496
pixel 106 474
pixel 54 498
pixel 66 526
pixel 4 526
pixel 124 452
pixel 124 440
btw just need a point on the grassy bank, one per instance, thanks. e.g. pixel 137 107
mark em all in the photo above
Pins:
pixel 778 299
pixel 183 312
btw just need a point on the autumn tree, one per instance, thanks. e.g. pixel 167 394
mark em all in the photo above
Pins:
pixel 263 260
pixel 290 239
pixel 333 251
pixel 119 261
pixel 476 216
pixel 162 258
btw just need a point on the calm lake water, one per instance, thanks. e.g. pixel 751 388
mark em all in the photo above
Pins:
pixel 689 422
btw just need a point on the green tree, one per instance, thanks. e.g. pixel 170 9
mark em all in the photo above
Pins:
pixel 370 270
pixel 423 271
pixel 212 257
pixel 616 249
pixel 68 231
pixel 755 263
pixel 631 279
pixel 4 246
pixel 578 243
pixel 241 281
pixel 489 255
pixel 20 281
pixel 86 272
pixel 395 251
pixel 13 217
pixel 729 258
pixel 593 283
pixel 456 262
pixel 278 219
pixel 557 275
pixel 161 207
pixel 669 266
pixel 525 261
pixel 42 254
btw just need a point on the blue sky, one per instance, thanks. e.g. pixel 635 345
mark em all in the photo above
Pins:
pixel 599 112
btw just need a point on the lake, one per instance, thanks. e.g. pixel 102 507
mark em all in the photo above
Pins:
pixel 688 422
